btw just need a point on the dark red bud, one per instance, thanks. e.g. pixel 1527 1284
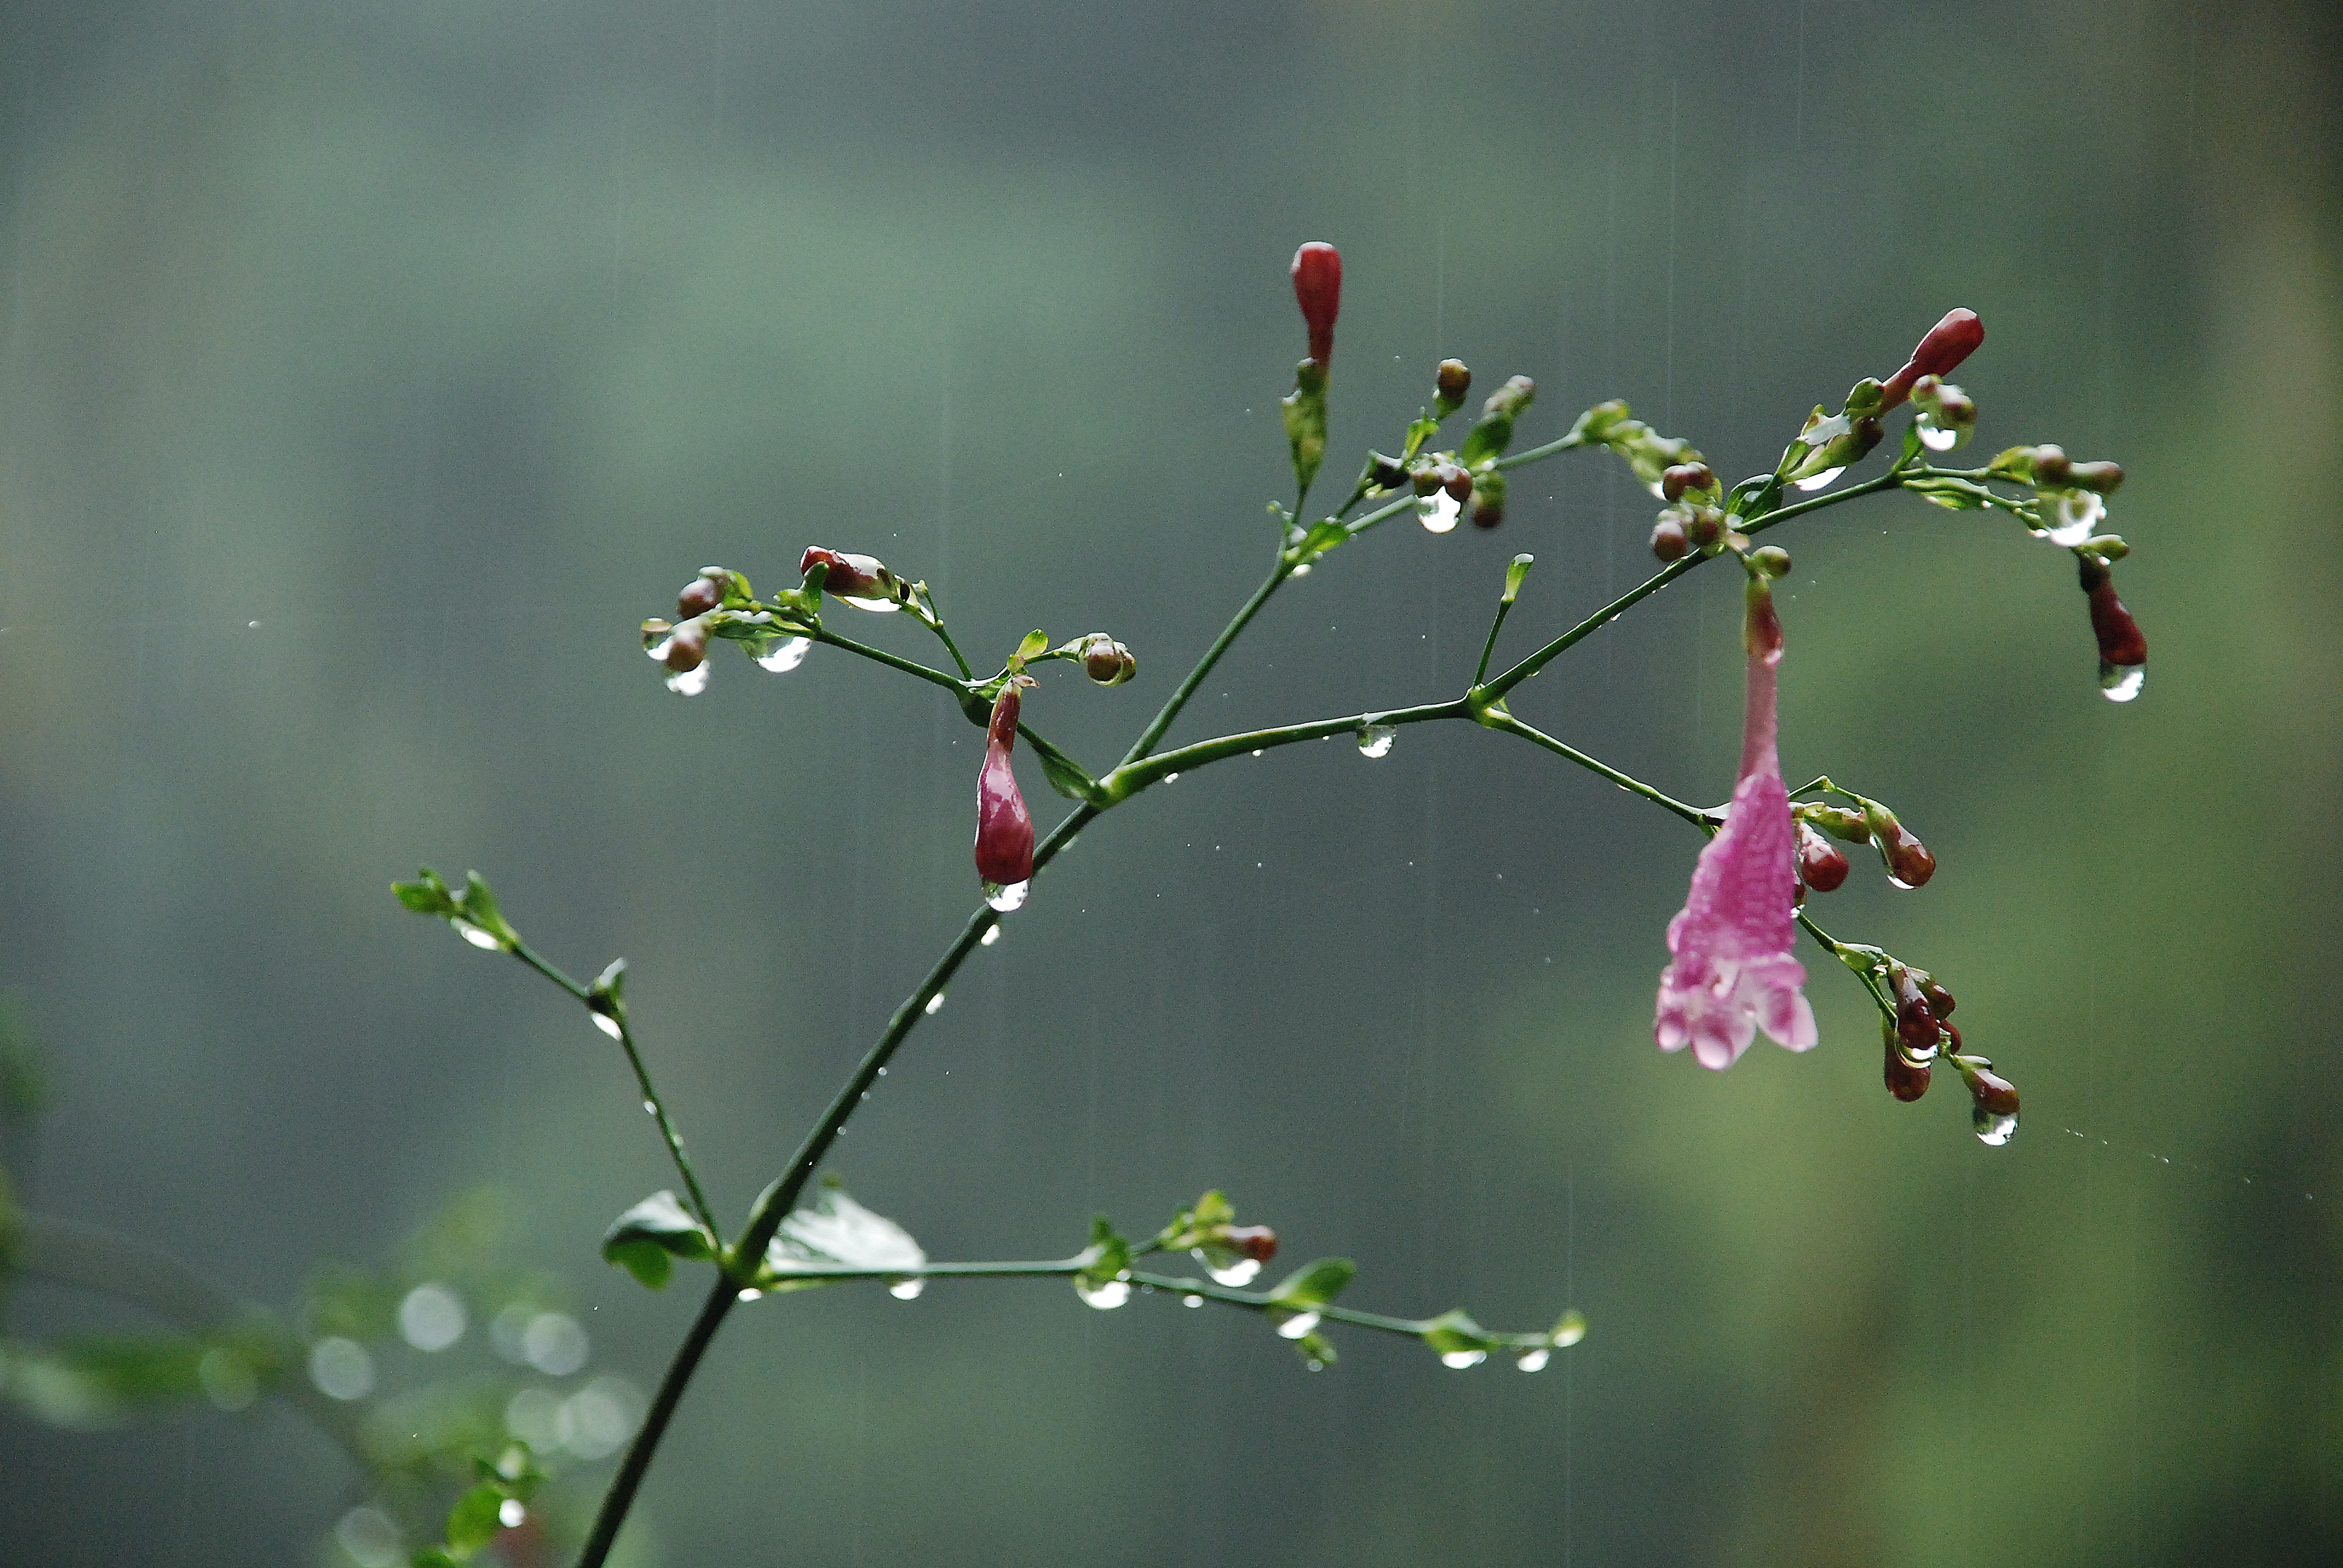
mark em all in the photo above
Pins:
pixel 1703 526
pixel 1388 472
pixel 1450 382
pixel 1258 1242
pixel 1949 342
pixel 1456 482
pixel 1669 541
pixel 2119 637
pixel 1940 1000
pixel 699 595
pixel 1318 288
pixel 1675 481
pixel 2052 467
pixel 2102 477
pixel 688 649
pixel 1915 1024
pixel 1004 828
pixel 1822 865
pixel 1906 1079
pixel 1488 514
pixel 851 576
pixel 1908 860
pixel 1995 1095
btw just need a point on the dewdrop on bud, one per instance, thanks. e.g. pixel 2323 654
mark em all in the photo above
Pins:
pixel 862 581
pixel 1684 477
pixel 1004 828
pixel 1258 1242
pixel 2123 648
pixel 1456 482
pixel 1669 540
pixel 1107 661
pixel 686 650
pixel 1450 382
pixel 1906 1079
pixel 699 595
pixel 1909 864
pixel 1994 1100
pixel 1318 289
pixel 1950 341
pixel 1916 1022
pixel 1822 865
pixel 1771 559
pixel 1489 501
pixel 1940 1000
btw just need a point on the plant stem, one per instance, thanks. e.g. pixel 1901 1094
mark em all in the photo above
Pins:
pixel 1187 689
pixel 1504 723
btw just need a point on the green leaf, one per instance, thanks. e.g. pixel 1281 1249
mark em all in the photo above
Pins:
pixel 1106 1259
pixel 1514 574
pixel 836 1232
pixel 1454 1333
pixel 1314 1284
pixel 473 1522
pixel 478 906
pixel 1066 775
pixel 646 1239
pixel 427 895
pixel 1036 644
pixel 1424 429
pixel 1489 437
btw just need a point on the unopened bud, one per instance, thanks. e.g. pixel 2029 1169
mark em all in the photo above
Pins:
pixel 1318 289
pixel 1906 1079
pixel 1456 482
pixel 1993 1098
pixel 1388 473
pixel 1489 501
pixel 1822 865
pixel 699 595
pixel 2101 478
pixel 2109 548
pixel 1940 1000
pixel 1004 828
pixel 1425 477
pixel 1916 1022
pixel 1450 382
pixel 862 581
pixel 1509 400
pixel 688 649
pixel 1771 559
pixel 1950 341
pixel 1101 662
pixel 1704 525
pixel 2122 646
pixel 1258 1242
pixel 1909 864
pixel 1838 821
pixel 2052 468
pixel 1686 476
pixel 1669 540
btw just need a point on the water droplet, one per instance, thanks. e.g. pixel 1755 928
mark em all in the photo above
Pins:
pixel 750 1295
pixel 596 1421
pixel 1192 1301
pixel 1006 897
pixel 691 682
pixel 906 1289
pixel 2077 517
pixel 252 626
pixel 1817 481
pixel 476 935
pixel 1171 777
pixel 1937 438
pixel 1896 881
pixel 341 1367
pixel 1459 1361
pixel 1376 740
pixel 656 651
pixel 650 1108
pixel 1301 571
pixel 1256 750
pixel 1534 1360
pixel 1315 1364
pixel 786 655
pixel 608 1025
pixel 431 1318
pixel 1438 511
pixel 1107 1295
pixel 2121 682
pixel 1994 1131
pixel 991 935
pixel 1299 1324
pixel 510 1513
pixel 875 605
pixel 1237 1273
pixel 935 1005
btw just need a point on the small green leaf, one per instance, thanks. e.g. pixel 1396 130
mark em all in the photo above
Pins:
pixel 1454 1333
pixel 1105 1259
pixel 427 895
pixel 473 1522
pixel 1489 437
pixel 1514 574
pixel 1424 429
pixel 646 1239
pixel 834 1232
pixel 1036 644
pixel 1314 1284
pixel 1066 775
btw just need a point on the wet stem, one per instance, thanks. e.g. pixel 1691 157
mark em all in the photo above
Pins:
pixel 1140 767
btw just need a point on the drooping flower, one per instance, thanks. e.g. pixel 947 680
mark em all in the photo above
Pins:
pixel 1732 973
pixel 1004 828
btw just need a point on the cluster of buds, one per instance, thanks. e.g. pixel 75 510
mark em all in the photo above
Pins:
pixel 1650 454
pixel 1918 1031
pixel 1691 520
pixel 682 645
pixel 1823 866
pixel 1105 660
pixel 1445 483
pixel 1232 1253
pixel 1946 416
pixel 1487 441
pixel 2070 498
pixel 1830 444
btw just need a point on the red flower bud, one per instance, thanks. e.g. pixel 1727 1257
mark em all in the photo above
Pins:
pixel 1909 864
pixel 1318 287
pixel 1906 1079
pixel 1669 540
pixel 1822 865
pixel 1456 482
pixel 699 595
pixel 686 650
pixel 1949 342
pixel 1994 1100
pixel 1683 476
pixel 1389 475
pixel 2119 637
pixel 1004 828
pixel 862 581
pixel 1940 1000
pixel 1258 1242
pixel 1449 381
pixel 1915 1024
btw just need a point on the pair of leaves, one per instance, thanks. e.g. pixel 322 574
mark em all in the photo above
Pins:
pixel 834 1232
pixel 473 907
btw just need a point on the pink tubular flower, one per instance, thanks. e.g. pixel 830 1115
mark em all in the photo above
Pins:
pixel 1318 289
pixel 1004 828
pixel 1732 973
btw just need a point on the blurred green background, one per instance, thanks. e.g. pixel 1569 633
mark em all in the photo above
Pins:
pixel 370 369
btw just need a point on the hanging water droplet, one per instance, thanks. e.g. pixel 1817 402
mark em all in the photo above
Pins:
pixel 476 935
pixel 1459 1361
pixel 1993 1130
pixel 751 1294
pixel 1171 777
pixel 651 1106
pixel 1299 1324
pixel 1534 1360
pixel 656 651
pixel 935 1005
pixel 1438 511
pixel 1237 1273
pixel 991 935
pixel 689 682
pixel 1570 1331
pixel 510 1513
pixel 1192 1301
pixel 2121 682
pixel 907 1290
pixel 1816 481
pixel 1006 897
pixel 1315 1364
pixel 1896 881
pixel 608 1025
pixel 1376 740
pixel 881 606
pixel 1106 1295
pixel 1301 571
pixel 2076 517
pixel 1256 750
pixel 1937 438
pixel 786 655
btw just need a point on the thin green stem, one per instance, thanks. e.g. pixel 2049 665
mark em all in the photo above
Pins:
pixel 652 1101
pixel 894 662
pixel 1569 443
pixel 1504 723
pixel 1187 687
pixel 1132 776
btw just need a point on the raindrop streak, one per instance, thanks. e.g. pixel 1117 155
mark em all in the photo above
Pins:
pixel 2121 682
pixel 1005 897
pixel 787 655
pixel 935 1005
pixel 1192 1301
pixel 1106 1296
pixel 1236 1275
pixel 510 1512
pixel 1817 481
pixel 476 935
pixel 1534 1360
pixel 689 682
pixel 1438 511
pixel 1937 439
pixel 991 935
pixel 907 1290
pixel 1376 740
pixel 608 1025
pixel 1994 1131
pixel 1294 1327
pixel 1458 1360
